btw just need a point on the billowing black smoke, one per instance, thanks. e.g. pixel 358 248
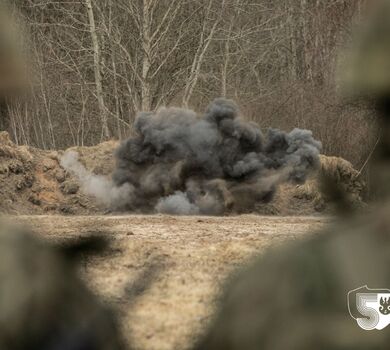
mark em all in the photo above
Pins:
pixel 180 163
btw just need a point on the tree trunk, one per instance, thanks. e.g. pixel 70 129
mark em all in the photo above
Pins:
pixel 4 116
pixel 97 70
pixel 225 64
pixel 146 48
pixel 204 42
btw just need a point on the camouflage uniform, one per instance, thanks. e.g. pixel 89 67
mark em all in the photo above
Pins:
pixel 295 295
pixel 13 72
pixel 43 303
pixel 365 66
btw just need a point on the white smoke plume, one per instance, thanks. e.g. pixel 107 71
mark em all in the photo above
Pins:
pixel 178 204
pixel 98 186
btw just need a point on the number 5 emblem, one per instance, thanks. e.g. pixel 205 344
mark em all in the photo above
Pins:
pixel 369 307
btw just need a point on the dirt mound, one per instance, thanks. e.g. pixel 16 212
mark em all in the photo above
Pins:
pixel 98 159
pixel 343 173
pixel 308 199
pixel 33 182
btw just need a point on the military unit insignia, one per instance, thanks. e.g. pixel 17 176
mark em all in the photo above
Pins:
pixel 370 307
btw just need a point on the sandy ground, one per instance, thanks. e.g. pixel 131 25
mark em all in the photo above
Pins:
pixel 194 256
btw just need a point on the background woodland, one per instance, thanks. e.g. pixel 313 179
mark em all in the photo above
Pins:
pixel 97 63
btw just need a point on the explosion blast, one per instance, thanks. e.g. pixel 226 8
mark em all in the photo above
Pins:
pixel 180 163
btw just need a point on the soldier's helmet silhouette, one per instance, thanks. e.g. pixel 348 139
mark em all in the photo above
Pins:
pixel 13 73
pixel 44 304
pixel 305 294
pixel 365 65
pixel 295 296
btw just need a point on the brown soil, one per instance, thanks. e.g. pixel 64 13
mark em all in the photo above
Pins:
pixel 33 182
pixel 194 256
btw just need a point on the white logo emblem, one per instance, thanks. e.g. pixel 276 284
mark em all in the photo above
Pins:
pixel 370 307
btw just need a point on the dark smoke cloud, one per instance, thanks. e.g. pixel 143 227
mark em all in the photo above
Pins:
pixel 180 163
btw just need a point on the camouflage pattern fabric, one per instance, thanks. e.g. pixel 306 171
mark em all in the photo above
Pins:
pixel 43 303
pixel 298 296
pixel 365 66
pixel 295 296
pixel 13 72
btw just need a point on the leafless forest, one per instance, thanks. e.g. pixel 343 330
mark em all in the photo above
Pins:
pixel 97 63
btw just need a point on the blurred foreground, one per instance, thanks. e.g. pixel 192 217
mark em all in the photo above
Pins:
pixel 44 304
pixel 196 255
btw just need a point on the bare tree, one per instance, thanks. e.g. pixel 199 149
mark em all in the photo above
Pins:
pixel 97 70
pixel 98 63
pixel 205 38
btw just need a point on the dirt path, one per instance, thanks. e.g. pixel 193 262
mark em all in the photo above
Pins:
pixel 195 255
